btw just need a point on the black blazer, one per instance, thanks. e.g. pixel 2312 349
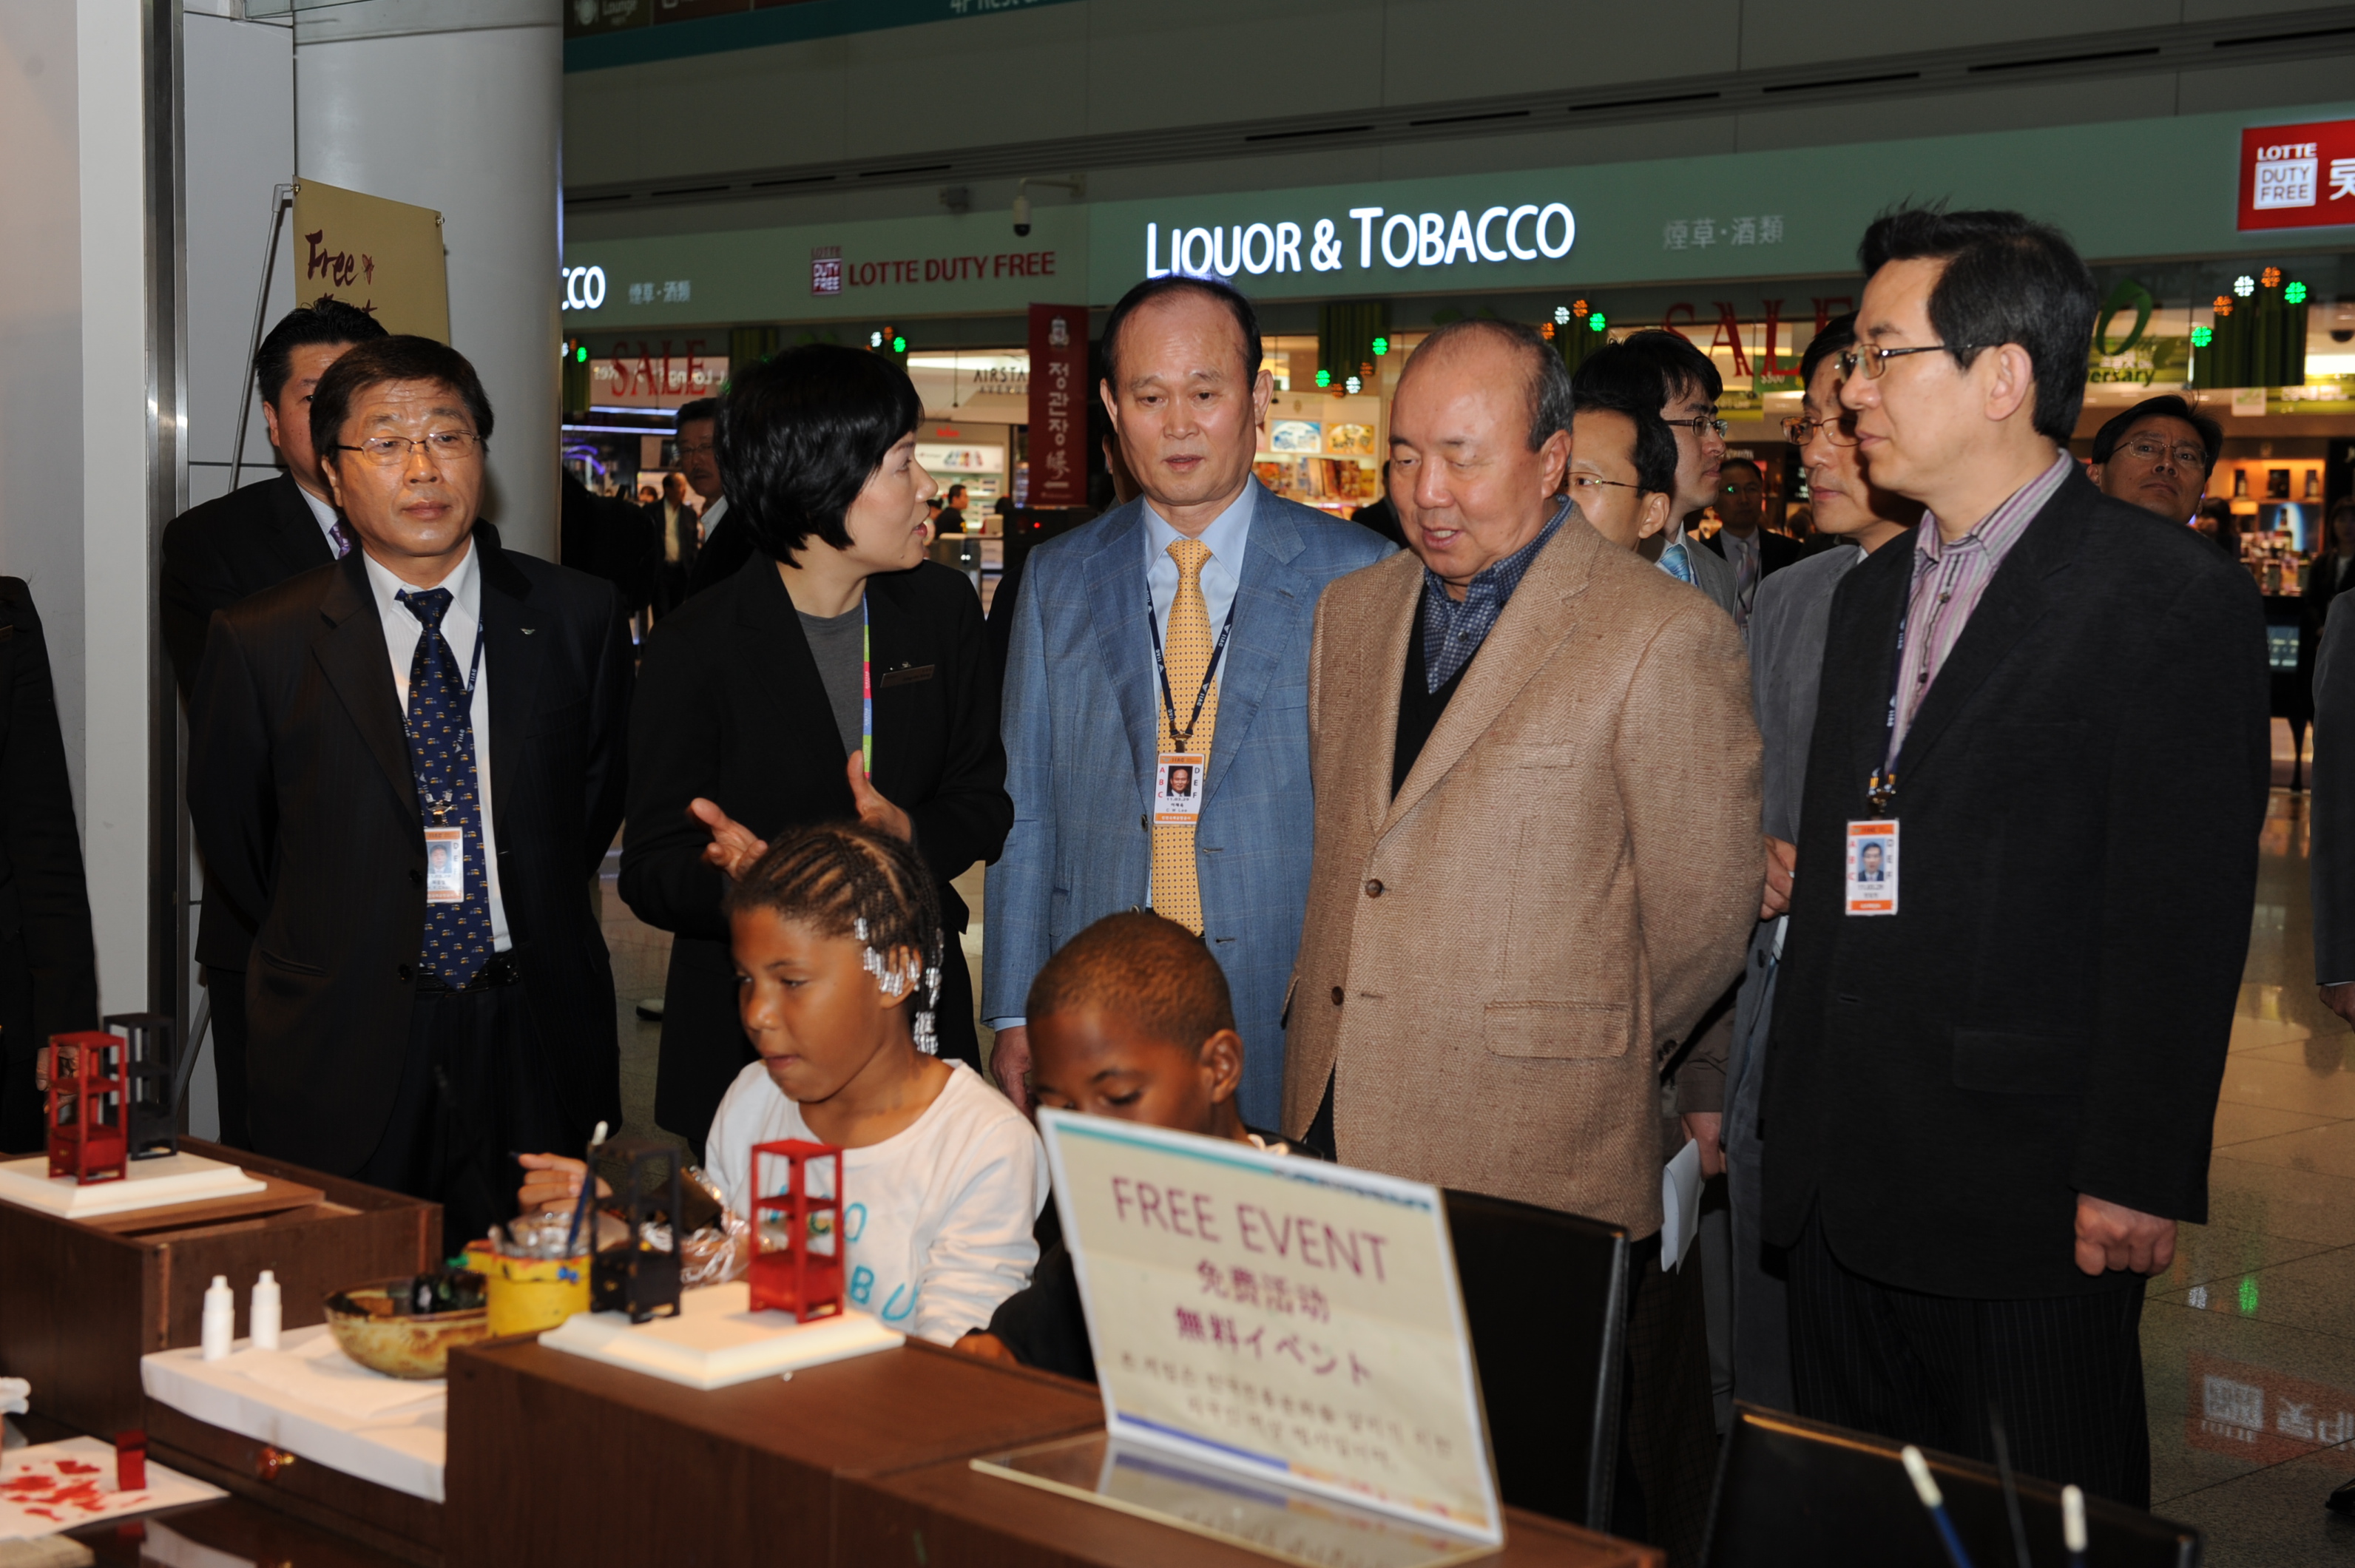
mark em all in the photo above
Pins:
pixel 230 548
pixel 300 785
pixel 722 554
pixel 730 707
pixel 2078 803
pixel 48 965
pixel 1775 551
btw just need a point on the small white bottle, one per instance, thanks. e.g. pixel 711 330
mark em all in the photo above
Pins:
pixel 262 1322
pixel 220 1320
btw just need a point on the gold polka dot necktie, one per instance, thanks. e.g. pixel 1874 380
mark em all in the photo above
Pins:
pixel 1177 888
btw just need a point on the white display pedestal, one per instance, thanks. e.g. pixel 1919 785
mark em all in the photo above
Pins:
pixel 718 1340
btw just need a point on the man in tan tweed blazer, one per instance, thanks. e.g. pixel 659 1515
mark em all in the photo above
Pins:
pixel 1537 787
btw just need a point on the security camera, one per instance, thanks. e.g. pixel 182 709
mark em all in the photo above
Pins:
pixel 1077 184
pixel 1021 213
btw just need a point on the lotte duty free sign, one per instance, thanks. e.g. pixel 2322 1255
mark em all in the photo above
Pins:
pixel 2297 176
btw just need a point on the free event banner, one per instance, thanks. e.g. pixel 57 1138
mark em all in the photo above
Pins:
pixel 383 257
pixel 1280 1317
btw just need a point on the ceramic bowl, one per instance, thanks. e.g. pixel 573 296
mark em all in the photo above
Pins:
pixel 377 1326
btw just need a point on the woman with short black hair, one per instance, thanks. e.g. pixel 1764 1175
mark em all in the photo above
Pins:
pixel 837 675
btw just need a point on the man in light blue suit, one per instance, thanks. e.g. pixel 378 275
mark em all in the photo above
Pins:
pixel 1172 627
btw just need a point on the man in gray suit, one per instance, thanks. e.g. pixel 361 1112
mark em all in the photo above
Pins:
pixel 1171 632
pixel 1665 370
pixel 1787 626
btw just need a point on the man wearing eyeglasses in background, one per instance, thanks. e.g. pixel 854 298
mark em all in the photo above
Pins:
pixel 1745 541
pixel 1664 370
pixel 1993 1076
pixel 411 1019
pixel 2157 456
pixel 1787 628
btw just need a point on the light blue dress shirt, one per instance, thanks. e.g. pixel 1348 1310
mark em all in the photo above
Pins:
pixel 1221 574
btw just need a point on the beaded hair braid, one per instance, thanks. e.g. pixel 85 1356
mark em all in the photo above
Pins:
pixel 845 880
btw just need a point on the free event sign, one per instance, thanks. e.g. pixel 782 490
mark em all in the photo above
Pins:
pixel 1283 1318
pixel 2297 176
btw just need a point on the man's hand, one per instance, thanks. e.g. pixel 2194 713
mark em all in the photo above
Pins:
pixel 551 1184
pixel 1780 857
pixel 1707 1128
pixel 1009 1063
pixel 2113 1236
pixel 874 811
pixel 2340 1000
pixel 987 1346
pixel 734 848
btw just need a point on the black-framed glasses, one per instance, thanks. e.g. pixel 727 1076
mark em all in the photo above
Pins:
pixel 2193 458
pixel 386 451
pixel 1799 431
pixel 1875 358
pixel 1593 482
pixel 1700 424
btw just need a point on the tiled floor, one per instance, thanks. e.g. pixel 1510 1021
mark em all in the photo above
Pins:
pixel 2249 1341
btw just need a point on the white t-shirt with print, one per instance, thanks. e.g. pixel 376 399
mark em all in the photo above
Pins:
pixel 937 1217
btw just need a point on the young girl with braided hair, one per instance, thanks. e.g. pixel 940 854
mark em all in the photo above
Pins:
pixel 836 935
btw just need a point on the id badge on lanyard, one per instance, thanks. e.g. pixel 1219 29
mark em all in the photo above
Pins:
pixel 445 847
pixel 1177 775
pixel 1871 885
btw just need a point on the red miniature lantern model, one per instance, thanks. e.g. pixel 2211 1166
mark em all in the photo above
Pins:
pixel 88 1140
pixel 798 1248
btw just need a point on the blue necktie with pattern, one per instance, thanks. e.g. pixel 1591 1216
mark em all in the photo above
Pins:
pixel 1673 563
pixel 441 724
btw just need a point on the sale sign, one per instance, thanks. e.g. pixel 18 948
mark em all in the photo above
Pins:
pixel 1059 408
pixel 2297 176
pixel 1290 1319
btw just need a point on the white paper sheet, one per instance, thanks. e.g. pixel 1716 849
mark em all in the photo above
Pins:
pixel 1679 1204
pixel 51 1486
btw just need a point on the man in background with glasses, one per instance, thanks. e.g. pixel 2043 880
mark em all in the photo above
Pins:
pixel 1994 1072
pixel 2157 456
pixel 1745 541
pixel 1664 372
pixel 413 1016
pixel 1787 629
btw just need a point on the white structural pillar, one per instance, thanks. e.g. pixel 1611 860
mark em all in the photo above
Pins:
pixel 458 105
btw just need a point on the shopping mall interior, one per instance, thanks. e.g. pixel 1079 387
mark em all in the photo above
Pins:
pixel 621 213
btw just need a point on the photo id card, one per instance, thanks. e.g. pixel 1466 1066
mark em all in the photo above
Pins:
pixel 445 865
pixel 1872 868
pixel 1178 788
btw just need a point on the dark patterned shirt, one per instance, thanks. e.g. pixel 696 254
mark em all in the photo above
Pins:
pixel 1454 629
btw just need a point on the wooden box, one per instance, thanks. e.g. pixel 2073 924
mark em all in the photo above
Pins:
pixel 81 1301
pixel 381 1518
pixel 554 1458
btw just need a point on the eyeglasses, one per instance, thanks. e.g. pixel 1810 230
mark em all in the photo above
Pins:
pixel 389 451
pixel 1700 424
pixel 1591 482
pixel 1799 431
pixel 705 450
pixel 2193 458
pixel 1875 360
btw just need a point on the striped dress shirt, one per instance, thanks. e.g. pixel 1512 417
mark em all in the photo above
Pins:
pixel 1949 580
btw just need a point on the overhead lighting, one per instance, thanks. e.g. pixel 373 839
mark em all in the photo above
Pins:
pixel 1561 315
pixel 1595 322
pixel 2294 293
pixel 1324 377
pixel 1354 385
pixel 2244 285
pixel 2270 277
pixel 2201 337
pixel 1381 346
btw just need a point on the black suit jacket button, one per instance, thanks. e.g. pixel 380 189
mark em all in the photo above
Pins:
pixel 1374 889
pixel 1336 995
pixel 402 970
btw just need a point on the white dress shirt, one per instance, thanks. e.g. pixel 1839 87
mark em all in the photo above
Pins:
pixel 461 623
pixel 325 517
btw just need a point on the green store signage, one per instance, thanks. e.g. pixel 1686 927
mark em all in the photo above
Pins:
pixel 1790 213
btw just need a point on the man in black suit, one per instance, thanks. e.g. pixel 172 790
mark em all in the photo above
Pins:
pixel 233 547
pixel 409 1024
pixel 728 541
pixel 1993 1076
pixel 676 525
pixel 1745 541
pixel 48 965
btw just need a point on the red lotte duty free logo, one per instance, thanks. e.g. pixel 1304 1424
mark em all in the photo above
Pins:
pixel 2297 176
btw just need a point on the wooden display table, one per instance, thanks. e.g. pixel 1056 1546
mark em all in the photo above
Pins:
pixel 952 1513
pixel 81 1301
pixel 554 1458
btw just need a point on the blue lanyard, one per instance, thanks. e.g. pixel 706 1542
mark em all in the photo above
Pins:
pixel 1168 702
pixel 1882 788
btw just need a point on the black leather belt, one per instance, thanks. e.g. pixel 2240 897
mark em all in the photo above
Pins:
pixel 499 971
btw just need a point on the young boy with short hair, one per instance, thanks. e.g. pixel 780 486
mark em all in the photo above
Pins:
pixel 1132 1019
